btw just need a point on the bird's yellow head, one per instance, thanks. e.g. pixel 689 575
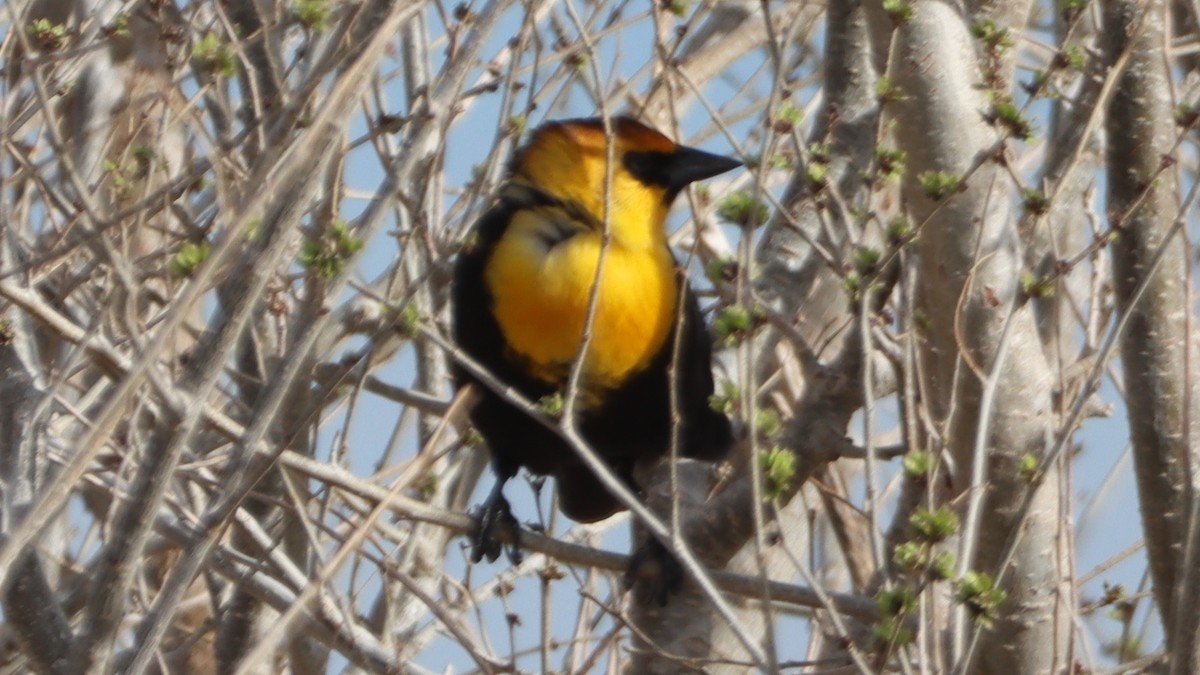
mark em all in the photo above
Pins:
pixel 542 271
pixel 566 161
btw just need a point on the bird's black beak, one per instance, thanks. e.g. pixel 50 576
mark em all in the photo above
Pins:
pixel 688 165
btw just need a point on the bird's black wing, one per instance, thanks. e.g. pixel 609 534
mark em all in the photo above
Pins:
pixel 514 438
pixel 707 433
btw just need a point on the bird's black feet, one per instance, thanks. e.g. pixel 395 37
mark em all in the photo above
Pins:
pixel 654 573
pixel 495 530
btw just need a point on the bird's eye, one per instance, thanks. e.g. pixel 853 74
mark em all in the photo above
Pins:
pixel 638 163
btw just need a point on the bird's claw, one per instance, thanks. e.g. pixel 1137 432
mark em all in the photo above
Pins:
pixel 495 530
pixel 655 571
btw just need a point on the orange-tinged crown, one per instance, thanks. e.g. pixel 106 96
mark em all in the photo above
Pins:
pixel 586 138
pixel 566 161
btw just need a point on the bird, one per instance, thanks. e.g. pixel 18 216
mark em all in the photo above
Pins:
pixel 520 295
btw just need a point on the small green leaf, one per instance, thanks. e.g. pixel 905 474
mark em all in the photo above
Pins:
pixel 781 162
pixel 1187 115
pixel 551 404
pixel 741 208
pixel 119 25
pixel 427 487
pixel 892 631
pixel 997 39
pixel 189 258
pixel 768 422
pixel 817 174
pixel 1029 467
pixel 1036 287
pixel 517 124
pixel 899 11
pixel 779 469
pixel 408 321
pixel 942 566
pixel 866 259
pixel 314 14
pixel 820 152
pixel 934 526
pixel 887 92
pixel 896 601
pixel 326 255
pixel 939 184
pixel 895 604
pixel 214 57
pixel 1072 57
pixel 922 319
pixel 736 323
pixel 918 464
pixel 979 593
pixel 910 555
pixel 787 118
pixel 1041 79
pixel 722 270
pixel 899 230
pixel 678 7
pixel 576 59
pixel 1007 115
pixel 726 400
pixel 891 162
pixel 47 34
pixel 1127 647
pixel 853 283
pixel 1035 201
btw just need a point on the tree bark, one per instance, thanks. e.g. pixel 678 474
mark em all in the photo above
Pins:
pixel 1151 281
pixel 984 375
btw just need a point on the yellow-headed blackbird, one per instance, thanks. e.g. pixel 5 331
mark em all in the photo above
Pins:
pixel 521 295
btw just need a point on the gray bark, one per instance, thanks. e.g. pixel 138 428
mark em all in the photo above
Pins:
pixel 1158 353
pixel 986 383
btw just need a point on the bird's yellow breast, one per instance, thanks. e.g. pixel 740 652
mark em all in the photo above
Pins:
pixel 541 275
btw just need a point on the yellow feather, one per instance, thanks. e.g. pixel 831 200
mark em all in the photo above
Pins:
pixel 542 291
